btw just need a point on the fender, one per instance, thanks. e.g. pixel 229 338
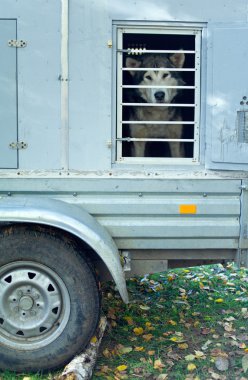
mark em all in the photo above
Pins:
pixel 72 219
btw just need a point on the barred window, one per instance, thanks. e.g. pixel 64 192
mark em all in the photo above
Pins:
pixel 158 95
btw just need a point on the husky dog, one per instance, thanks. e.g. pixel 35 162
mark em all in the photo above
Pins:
pixel 152 77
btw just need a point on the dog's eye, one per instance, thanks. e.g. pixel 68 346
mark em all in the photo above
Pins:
pixel 165 75
pixel 149 77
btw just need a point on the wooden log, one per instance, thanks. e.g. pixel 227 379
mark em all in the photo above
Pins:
pixel 81 367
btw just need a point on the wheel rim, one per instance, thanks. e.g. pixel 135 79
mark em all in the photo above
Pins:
pixel 34 305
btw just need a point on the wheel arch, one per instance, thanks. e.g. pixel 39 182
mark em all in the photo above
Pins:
pixel 72 219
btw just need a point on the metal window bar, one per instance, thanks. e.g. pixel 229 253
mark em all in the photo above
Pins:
pixel 130 139
pixel 158 69
pixel 158 122
pixel 138 51
pixel 120 86
pixel 179 87
pixel 159 104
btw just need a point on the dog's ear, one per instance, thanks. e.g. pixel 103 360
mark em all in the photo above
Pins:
pixel 132 63
pixel 178 59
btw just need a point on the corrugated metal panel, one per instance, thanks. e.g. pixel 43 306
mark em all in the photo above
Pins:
pixel 146 214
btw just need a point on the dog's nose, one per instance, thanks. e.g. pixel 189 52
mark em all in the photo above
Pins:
pixel 159 95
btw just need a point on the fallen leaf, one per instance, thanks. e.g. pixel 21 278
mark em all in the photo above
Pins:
pixel 138 330
pixel 219 300
pixel 139 348
pixel 125 350
pixel 183 346
pixel 222 364
pixel 228 327
pixel 241 345
pixel 199 354
pixel 129 320
pixel 173 355
pixel 162 376
pixel 147 337
pixel 171 322
pixel 144 307
pixel 205 331
pixel 191 367
pixel 106 353
pixel 189 358
pixel 245 363
pixel 217 352
pixel 150 353
pixel 158 364
pixel 121 368
pixel 206 344
pixel 93 339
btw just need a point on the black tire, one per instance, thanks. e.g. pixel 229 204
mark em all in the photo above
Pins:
pixel 49 299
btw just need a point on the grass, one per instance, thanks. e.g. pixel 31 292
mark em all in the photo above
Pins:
pixel 185 324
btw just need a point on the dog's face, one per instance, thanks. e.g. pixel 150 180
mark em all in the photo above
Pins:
pixel 158 78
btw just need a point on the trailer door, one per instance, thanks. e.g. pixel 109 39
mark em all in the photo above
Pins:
pixel 8 95
pixel 227 100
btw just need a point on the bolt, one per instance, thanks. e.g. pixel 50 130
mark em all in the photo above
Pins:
pixel 19 293
pixel 32 312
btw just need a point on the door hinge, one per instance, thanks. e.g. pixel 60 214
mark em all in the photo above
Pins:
pixel 17 43
pixel 18 145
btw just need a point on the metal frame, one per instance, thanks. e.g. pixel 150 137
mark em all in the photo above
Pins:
pixel 157 29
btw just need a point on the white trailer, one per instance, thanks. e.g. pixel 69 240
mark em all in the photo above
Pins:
pixel 74 198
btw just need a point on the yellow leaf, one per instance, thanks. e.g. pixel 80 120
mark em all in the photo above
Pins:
pixel 183 346
pixel 174 339
pixel 129 320
pixel 171 322
pixel 219 300
pixel 93 339
pixel 148 324
pixel 139 348
pixel 158 364
pixel 147 337
pixel 177 339
pixel 191 367
pixel 121 368
pixel 138 330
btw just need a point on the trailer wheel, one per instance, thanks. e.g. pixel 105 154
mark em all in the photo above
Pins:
pixel 49 299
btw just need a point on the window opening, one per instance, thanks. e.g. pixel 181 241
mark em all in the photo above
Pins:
pixel 158 91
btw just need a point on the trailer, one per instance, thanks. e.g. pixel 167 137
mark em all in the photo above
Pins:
pixel 87 190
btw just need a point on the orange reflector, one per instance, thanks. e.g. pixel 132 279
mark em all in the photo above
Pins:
pixel 187 209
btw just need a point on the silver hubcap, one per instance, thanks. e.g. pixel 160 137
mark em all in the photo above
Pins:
pixel 34 305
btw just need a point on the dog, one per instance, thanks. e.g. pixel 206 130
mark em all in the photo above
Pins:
pixel 152 77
